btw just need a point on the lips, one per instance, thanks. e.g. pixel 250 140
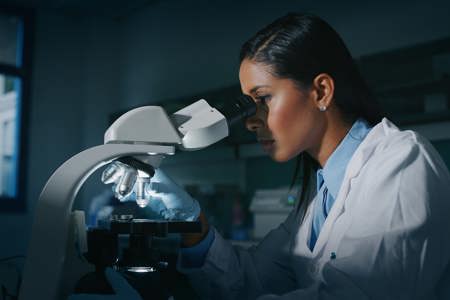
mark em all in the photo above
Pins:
pixel 267 144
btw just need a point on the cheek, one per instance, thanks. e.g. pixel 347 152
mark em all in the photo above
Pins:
pixel 290 126
pixel 279 120
pixel 284 118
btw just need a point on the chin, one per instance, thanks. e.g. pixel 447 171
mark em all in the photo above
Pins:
pixel 279 157
pixel 282 156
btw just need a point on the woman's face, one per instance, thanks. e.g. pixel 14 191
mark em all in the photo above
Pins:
pixel 287 120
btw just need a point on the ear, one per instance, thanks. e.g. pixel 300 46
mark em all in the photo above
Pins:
pixel 323 85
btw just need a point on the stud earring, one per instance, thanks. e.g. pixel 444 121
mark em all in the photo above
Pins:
pixel 323 108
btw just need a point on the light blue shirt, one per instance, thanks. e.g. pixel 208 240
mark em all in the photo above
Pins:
pixel 329 179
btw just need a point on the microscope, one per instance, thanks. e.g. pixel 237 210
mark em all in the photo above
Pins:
pixel 142 137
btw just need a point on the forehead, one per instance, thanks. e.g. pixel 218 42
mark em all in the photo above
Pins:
pixel 253 74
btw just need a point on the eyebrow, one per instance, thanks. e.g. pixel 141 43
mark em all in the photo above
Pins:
pixel 254 89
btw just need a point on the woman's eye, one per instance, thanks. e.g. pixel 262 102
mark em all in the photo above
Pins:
pixel 263 99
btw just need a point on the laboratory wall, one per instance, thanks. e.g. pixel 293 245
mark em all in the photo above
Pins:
pixel 174 48
pixel 88 67
pixel 55 112
pixel 74 82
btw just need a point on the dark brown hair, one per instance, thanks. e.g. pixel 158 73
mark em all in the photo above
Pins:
pixel 300 47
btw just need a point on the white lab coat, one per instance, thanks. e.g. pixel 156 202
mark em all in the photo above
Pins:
pixel 389 229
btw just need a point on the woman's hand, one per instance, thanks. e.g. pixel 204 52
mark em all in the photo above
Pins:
pixel 163 195
pixel 192 239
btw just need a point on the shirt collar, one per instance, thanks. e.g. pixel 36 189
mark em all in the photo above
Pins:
pixel 334 170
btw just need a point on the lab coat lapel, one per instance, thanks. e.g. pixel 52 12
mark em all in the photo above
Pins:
pixel 359 158
pixel 303 235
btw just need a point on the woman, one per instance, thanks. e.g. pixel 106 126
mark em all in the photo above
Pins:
pixel 372 218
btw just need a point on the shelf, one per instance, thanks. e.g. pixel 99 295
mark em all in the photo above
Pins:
pixel 436 131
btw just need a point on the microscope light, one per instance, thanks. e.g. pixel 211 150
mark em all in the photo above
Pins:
pixel 141 269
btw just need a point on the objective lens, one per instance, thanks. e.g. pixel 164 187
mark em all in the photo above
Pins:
pixel 112 173
pixel 126 184
pixel 141 200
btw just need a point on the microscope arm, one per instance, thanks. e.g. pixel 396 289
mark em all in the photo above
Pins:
pixel 43 270
pixel 146 133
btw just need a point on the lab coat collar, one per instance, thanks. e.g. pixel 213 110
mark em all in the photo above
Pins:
pixel 334 169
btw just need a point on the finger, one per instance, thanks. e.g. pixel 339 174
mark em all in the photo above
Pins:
pixel 158 188
pixel 161 176
pixel 170 201
pixel 157 197
pixel 169 186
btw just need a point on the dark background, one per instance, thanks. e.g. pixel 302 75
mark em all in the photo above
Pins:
pixel 94 59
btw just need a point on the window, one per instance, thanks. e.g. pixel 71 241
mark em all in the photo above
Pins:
pixel 15 48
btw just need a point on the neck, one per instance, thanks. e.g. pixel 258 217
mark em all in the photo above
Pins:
pixel 334 132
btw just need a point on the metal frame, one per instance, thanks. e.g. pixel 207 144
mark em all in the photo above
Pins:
pixel 18 203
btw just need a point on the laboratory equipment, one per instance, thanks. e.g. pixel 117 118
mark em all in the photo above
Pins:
pixel 146 134
pixel 125 173
pixel 270 207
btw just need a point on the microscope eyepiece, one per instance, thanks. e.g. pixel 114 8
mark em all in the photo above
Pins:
pixel 241 108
